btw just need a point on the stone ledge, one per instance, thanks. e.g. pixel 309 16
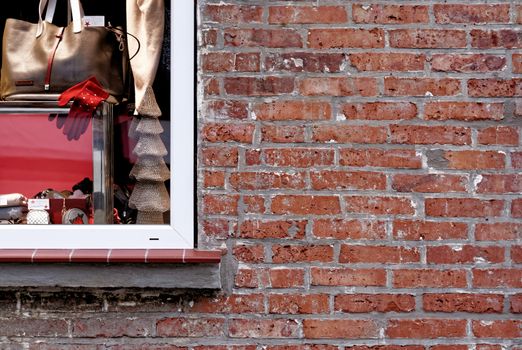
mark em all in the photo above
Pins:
pixel 98 275
pixel 140 268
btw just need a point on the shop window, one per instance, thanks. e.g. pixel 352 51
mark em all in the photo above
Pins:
pixel 68 180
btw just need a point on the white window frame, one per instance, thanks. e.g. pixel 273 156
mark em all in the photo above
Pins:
pixel 180 233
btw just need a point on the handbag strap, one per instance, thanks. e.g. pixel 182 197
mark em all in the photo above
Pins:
pixel 76 10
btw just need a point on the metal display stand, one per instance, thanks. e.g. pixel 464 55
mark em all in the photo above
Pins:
pixel 102 149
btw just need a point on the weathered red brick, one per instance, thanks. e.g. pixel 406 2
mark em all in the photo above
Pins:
pixel 390 14
pixel 379 205
pixel 267 180
pixel 250 253
pixel 254 86
pixel 214 179
pixel 342 133
pixel 427 38
pixel 363 303
pixel 218 62
pixel 500 231
pixel 345 38
pixel 253 204
pixel 298 157
pixel 426 328
pixel 495 87
pixel 340 328
pixel 305 205
pixel 463 207
pixel 516 160
pixel 255 37
pixel 463 302
pixel 302 347
pixel 247 62
pixel 516 303
pixel 293 110
pixel 351 253
pixel 190 327
pixel 497 328
pixel 349 229
pixel 451 347
pixel 338 86
pixel 211 86
pixel 500 183
pixel 467 63
pixel 263 328
pixel 464 254
pixel 498 135
pixel 386 347
pixel 425 135
pixel 233 14
pixel 429 278
pixel 388 158
pixel 220 204
pixel 219 132
pixel 247 278
pixel 301 253
pixel 312 62
pixel 516 208
pixel 428 230
pixel 429 183
pixel 49 327
pixel 220 347
pixel 395 86
pixel 516 254
pixel 306 14
pixel 208 37
pixel 218 228
pixel 347 277
pixel 235 303
pixel 472 13
pixel 282 133
pixel 387 61
pixel 362 180
pixel 493 39
pixel 286 277
pixel 380 110
pixel 298 303
pixel 466 160
pixel 261 229
pixel 517 63
pixel 225 109
pixel 466 111
pixel 219 156
pixel 494 278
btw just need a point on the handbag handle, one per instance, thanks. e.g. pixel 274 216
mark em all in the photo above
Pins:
pixel 51 7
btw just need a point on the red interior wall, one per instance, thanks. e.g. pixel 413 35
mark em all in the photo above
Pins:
pixel 35 155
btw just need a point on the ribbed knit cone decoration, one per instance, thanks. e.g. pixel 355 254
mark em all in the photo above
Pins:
pixel 150 196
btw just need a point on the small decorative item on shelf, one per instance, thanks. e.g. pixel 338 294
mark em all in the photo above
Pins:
pixel 38 217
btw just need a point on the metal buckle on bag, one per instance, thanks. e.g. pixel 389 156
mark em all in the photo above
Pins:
pixel 47 87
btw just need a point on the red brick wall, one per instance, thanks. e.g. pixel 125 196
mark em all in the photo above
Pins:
pixel 360 163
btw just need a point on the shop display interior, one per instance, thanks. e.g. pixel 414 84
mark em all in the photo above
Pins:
pixel 73 165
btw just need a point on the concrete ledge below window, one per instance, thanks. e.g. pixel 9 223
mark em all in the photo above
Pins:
pixel 140 268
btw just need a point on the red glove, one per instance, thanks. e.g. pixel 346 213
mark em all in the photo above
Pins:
pixel 86 97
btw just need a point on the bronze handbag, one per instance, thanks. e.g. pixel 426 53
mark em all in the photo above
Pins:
pixel 42 58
